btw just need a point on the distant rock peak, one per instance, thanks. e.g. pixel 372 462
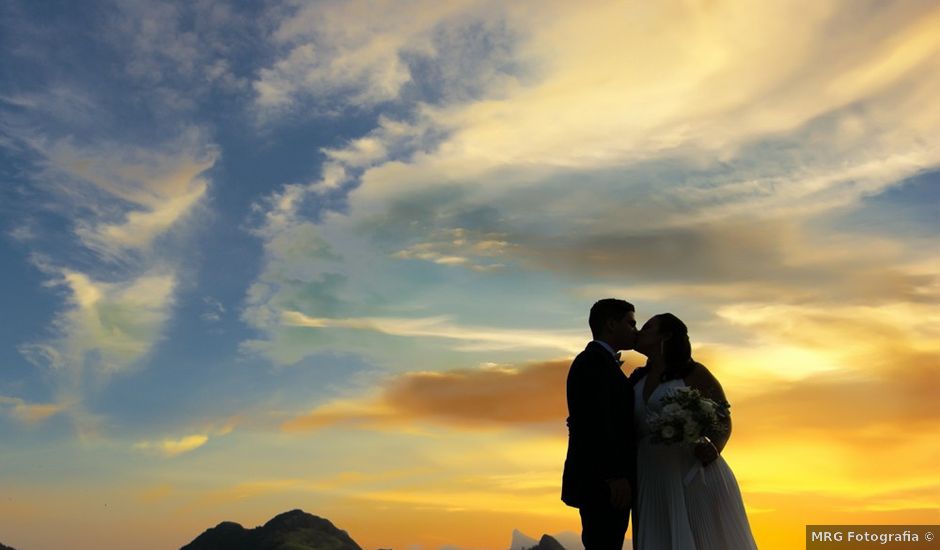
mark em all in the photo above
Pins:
pixel 295 529
pixel 548 542
pixel 521 541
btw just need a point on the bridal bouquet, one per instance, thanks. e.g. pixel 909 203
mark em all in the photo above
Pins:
pixel 686 417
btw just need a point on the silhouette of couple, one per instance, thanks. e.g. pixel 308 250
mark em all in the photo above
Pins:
pixel 683 496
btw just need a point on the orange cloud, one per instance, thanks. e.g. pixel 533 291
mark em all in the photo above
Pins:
pixel 486 397
pixel 835 402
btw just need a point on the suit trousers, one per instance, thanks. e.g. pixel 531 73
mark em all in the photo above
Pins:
pixel 603 527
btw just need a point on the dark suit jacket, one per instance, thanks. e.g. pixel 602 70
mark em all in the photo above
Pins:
pixel 601 443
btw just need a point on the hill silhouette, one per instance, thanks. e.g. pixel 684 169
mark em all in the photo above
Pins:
pixel 5 547
pixel 294 530
pixel 548 542
pixel 521 541
pixel 568 540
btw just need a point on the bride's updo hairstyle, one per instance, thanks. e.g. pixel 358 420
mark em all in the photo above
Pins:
pixel 677 349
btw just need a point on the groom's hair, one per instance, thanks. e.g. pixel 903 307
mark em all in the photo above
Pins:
pixel 608 309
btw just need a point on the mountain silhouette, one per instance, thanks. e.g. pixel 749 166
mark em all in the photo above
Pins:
pixel 521 541
pixel 548 542
pixel 5 547
pixel 570 540
pixel 565 540
pixel 294 530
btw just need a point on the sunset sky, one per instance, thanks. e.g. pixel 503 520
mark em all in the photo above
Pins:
pixel 338 256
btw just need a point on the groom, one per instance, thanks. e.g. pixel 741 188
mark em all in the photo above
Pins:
pixel 600 466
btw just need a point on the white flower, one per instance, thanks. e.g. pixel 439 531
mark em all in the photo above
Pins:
pixel 672 409
pixel 668 432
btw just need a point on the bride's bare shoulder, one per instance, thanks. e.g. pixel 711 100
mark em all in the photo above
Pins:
pixel 703 380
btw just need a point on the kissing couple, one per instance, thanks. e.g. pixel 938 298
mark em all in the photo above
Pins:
pixel 650 442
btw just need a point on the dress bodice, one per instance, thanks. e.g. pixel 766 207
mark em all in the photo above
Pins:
pixel 642 409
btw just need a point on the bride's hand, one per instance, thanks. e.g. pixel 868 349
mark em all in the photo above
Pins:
pixel 705 451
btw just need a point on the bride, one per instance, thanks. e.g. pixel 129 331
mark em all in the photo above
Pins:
pixel 686 497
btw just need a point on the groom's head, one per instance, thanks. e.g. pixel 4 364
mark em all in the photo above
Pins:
pixel 614 321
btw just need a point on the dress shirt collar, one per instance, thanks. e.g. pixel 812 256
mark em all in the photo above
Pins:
pixel 609 349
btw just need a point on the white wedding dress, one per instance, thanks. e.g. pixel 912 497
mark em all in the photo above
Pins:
pixel 706 514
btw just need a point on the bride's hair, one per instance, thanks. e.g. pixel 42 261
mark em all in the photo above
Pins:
pixel 677 349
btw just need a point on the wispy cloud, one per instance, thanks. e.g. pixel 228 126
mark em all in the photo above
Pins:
pixel 123 200
pixel 122 205
pixel 213 310
pixel 152 190
pixel 458 247
pixel 442 327
pixel 351 54
pixel 29 413
pixel 198 437
pixel 174 447
pixel 118 322
pixel 180 53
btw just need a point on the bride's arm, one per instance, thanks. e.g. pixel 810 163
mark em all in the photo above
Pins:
pixel 703 380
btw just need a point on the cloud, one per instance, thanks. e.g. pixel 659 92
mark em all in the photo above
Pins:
pixel 180 53
pixel 136 195
pixel 213 310
pixel 884 356
pixel 121 202
pixel 117 322
pixel 441 327
pixel 697 164
pixel 457 247
pixel 853 409
pixel 481 398
pixel 174 447
pixel 590 108
pixel 30 413
pixel 115 262
pixel 738 261
pixel 911 327
pixel 358 55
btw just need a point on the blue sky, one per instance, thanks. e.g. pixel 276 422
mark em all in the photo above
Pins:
pixel 235 232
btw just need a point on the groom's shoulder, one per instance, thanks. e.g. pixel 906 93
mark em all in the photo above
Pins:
pixel 591 352
pixel 586 363
pixel 589 356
